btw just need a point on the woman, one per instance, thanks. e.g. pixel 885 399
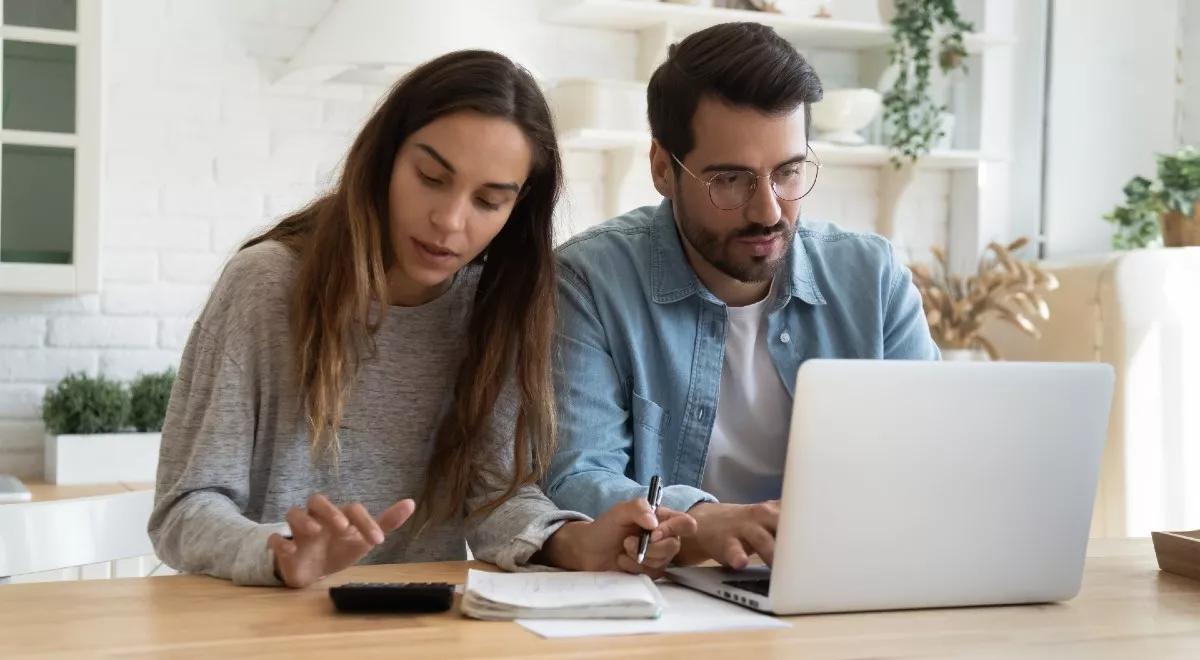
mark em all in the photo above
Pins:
pixel 391 341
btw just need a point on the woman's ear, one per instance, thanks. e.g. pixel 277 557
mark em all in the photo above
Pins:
pixel 661 171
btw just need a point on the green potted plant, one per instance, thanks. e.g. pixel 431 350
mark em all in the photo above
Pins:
pixel 87 440
pixel 913 119
pixel 1163 211
pixel 149 395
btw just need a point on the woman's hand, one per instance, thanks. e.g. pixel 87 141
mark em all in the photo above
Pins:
pixel 326 539
pixel 611 541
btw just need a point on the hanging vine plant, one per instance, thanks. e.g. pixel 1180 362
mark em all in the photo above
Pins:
pixel 912 118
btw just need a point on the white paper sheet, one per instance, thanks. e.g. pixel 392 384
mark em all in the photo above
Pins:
pixel 686 611
pixel 561 590
pixel 507 596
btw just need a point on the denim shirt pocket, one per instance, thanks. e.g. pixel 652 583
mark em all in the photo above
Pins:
pixel 648 416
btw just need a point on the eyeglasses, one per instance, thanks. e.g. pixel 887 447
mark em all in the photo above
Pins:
pixel 731 189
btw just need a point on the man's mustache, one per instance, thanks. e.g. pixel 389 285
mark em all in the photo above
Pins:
pixel 759 231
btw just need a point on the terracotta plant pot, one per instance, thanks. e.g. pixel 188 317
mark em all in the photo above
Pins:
pixel 1180 230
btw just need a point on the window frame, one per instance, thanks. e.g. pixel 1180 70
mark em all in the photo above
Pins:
pixel 82 275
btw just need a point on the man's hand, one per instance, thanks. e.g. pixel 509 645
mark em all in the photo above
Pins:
pixel 730 533
pixel 611 541
pixel 326 539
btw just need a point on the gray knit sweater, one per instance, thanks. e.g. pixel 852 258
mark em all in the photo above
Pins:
pixel 235 449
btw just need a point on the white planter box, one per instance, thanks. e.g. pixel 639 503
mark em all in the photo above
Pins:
pixel 101 458
pixel 586 103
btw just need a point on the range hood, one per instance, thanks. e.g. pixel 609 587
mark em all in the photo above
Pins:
pixel 375 41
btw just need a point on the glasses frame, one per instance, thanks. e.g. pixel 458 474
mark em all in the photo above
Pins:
pixel 810 158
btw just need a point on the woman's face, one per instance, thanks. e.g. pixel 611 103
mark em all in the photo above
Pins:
pixel 454 183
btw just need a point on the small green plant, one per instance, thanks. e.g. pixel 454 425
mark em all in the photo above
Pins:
pixel 82 404
pixel 149 395
pixel 911 117
pixel 1176 190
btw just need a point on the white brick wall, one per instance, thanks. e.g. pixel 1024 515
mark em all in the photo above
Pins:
pixel 202 148
pixel 103 332
pixel 20 401
pixel 27 331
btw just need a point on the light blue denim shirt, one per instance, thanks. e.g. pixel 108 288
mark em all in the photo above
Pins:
pixel 641 343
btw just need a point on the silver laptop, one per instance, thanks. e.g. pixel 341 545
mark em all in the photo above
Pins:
pixel 927 484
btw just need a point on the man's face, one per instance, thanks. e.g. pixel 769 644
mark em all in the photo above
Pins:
pixel 751 242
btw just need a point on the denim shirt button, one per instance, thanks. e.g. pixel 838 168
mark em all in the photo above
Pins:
pixel 785 337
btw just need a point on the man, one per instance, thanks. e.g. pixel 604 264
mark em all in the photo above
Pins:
pixel 683 325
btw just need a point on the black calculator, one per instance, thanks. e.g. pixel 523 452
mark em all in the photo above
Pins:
pixel 393 596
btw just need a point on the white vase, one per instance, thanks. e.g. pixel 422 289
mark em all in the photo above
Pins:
pixel 964 355
pixel 842 113
pixel 592 103
pixel 101 458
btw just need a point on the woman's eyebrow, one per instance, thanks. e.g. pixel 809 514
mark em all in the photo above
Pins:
pixel 433 153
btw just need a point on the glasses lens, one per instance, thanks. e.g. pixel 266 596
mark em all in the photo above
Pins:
pixel 794 181
pixel 730 190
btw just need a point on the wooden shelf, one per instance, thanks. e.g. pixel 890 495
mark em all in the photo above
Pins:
pixel 631 15
pixel 868 155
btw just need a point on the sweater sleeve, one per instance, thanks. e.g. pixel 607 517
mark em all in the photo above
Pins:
pixel 511 533
pixel 203 484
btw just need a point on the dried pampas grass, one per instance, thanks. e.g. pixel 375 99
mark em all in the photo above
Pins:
pixel 957 307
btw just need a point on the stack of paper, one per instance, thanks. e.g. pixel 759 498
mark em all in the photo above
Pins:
pixel 504 596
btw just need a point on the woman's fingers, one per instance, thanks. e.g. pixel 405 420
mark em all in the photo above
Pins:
pixel 285 556
pixel 396 515
pixel 302 525
pixel 357 514
pixel 328 515
pixel 282 547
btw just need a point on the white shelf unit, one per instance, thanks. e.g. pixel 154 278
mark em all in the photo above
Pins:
pixel 868 155
pixel 632 15
pixel 979 177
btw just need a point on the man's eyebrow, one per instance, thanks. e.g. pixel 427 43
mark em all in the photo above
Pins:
pixel 723 167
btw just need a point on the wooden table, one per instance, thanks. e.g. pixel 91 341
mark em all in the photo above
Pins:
pixel 1127 609
pixel 44 492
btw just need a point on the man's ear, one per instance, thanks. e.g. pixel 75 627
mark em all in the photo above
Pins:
pixel 661 171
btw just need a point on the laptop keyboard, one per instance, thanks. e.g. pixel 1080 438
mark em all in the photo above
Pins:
pixel 761 586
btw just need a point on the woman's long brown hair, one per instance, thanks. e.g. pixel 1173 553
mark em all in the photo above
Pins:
pixel 342 240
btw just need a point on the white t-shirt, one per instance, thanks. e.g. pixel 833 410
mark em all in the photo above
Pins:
pixel 749 439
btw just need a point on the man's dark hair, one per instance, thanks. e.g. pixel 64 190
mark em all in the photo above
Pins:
pixel 742 64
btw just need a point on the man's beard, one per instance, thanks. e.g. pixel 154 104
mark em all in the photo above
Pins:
pixel 715 249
